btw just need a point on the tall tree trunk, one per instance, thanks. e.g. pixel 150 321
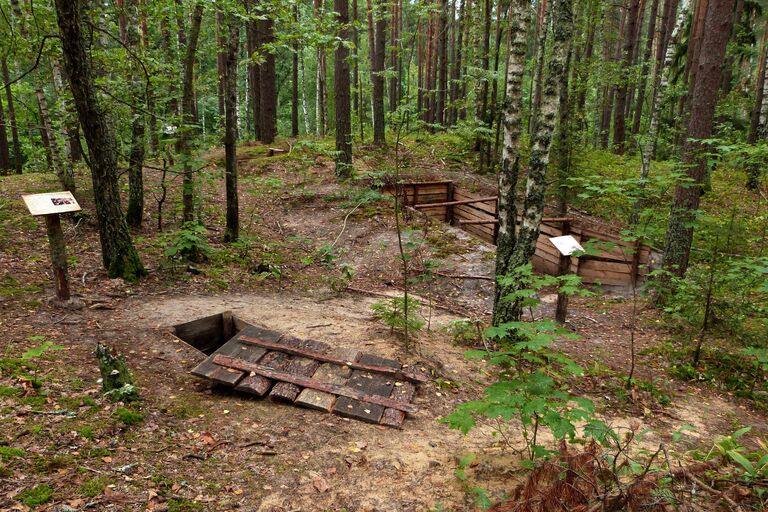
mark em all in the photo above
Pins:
pixel 729 59
pixel 523 244
pixel 664 56
pixel 757 118
pixel 135 210
pixel 583 66
pixel 456 69
pixel 5 155
pixel 118 253
pixel 377 69
pixel 646 64
pixel 509 173
pixel 482 89
pixel 619 120
pixel 760 110
pixel 221 57
pixel 254 70
pixel 357 87
pixel 295 82
pixel 189 119
pixel 268 80
pixel 342 97
pixel 17 156
pixel 154 137
pixel 692 57
pixel 321 113
pixel 540 39
pixel 716 32
pixel 442 51
pixel 394 55
pixel 60 168
pixel 232 43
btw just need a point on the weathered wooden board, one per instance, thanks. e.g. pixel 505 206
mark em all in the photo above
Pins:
pixel 347 391
pixel 298 366
pixel 330 374
pixel 403 392
pixel 370 384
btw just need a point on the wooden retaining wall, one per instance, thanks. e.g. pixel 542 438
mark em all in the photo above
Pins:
pixel 618 263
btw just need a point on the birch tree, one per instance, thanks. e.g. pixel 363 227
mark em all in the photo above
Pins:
pixel 516 247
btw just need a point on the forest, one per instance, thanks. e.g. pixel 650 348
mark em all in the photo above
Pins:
pixel 384 255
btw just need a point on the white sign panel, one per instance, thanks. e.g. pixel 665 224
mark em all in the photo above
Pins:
pixel 50 203
pixel 567 245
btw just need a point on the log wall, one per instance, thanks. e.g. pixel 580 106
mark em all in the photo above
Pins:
pixel 618 263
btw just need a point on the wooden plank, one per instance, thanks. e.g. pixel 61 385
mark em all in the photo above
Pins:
pixel 328 357
pixel 371 384
pixel 456 203
pixel 298 366
pixel 402 392
pixel 345 391
pixel 330 374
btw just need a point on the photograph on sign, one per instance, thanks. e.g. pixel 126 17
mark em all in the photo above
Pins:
pixel 50 203
pixel 567 245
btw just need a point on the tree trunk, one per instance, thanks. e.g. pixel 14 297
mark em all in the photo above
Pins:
pixel 716 32
pixel 342 97
pixel 295 82
pixel 232 37
pixel 189 119
pixel 135 210
pixel 646 64
pixel 394 54
pixel 482 89
pixel 254 70
pixel 221 57
pixel 377 69
pixel 456 69
pixel 442 53
pixel 509 173
pixel 760 108
pixel 524 243
pixel 619 121
pixel 5 155
pixel 17 157
pixel 268 80
pixel 63 172
pixel 118 253
pixel 321 113
pixel 664 56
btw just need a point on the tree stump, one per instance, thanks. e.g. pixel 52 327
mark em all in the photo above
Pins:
pixel 117 381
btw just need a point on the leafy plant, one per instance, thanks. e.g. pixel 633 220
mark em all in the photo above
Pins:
pixel 392 313
pixel 531 385
pixel 45 346
pixel 35 496
pixel 189 244
pixel 465 331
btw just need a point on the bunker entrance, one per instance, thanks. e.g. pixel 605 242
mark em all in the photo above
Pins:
pixel 211 332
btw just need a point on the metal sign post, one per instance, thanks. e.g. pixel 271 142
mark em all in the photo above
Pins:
pixel 50 205
pixel 566 245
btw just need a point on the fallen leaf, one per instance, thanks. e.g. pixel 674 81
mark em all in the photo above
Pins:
pixel 320 484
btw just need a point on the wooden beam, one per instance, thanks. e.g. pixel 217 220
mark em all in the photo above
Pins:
pixel 305 382
pixel 454 203
pixel 328 358
pixel 463 222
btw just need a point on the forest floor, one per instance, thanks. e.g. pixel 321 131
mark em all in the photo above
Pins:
pixel 195 447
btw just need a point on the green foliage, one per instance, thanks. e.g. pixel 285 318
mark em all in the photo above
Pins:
pixel 465 331
pixel 128 416
pixel 184 505
pixel 44 346
pixel 9 452
pixel 392 313
pixel 531 385
pixel 189 244
pixel 94 487
pixel 35 496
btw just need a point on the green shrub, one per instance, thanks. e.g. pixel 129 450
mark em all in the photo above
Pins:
pixel 189 244
pixel 8 452
pixel 465 331
pixel 392 313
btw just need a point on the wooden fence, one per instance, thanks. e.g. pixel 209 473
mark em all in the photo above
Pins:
pixel 618 263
